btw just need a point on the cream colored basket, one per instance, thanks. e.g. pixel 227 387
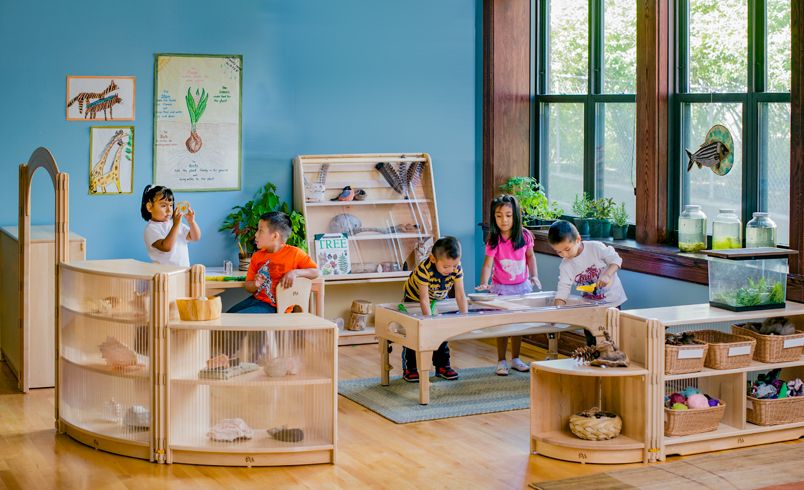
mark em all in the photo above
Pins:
pixel 587 426
pixel 196 309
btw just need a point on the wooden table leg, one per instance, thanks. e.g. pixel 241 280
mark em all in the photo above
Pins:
pixel 552 345
pixel 424 361
pixel 385 365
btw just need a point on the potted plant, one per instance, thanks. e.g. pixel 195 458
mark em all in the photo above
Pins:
pixel 582 207
pixel 601 210
pixel 619 227
pixel 242 222
pixel 537 209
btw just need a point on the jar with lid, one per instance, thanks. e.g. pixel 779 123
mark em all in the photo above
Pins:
pixel 691 229
pixel 727 230
pixel 760 232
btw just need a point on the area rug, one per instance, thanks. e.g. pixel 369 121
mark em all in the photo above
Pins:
pixel 758 467
pixel 478 390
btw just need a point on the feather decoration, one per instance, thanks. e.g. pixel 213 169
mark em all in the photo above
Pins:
pixel 391 176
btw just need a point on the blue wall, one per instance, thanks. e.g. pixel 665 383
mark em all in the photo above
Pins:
pixel 320 76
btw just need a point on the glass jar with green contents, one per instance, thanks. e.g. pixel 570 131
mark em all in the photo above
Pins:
pixel 727 230
pixel 691 229
pixel 760 232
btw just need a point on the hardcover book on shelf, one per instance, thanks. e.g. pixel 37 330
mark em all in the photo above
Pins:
pixel 332 253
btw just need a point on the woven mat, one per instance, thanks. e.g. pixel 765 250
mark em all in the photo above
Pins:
pixel 777 465
pixel 477 390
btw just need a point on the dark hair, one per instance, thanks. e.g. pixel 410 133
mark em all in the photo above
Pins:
pixel 151 194
pixel 517 232
pixel 562 230
pixel 449 246
pixel 279 222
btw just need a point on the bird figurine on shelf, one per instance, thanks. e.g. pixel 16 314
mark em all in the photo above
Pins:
pixel 347 194
pixel 604 354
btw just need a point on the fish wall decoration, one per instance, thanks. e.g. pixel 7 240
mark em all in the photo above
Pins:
pixel 716 152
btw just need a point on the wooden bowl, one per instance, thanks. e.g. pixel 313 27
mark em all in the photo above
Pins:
pixel 199 309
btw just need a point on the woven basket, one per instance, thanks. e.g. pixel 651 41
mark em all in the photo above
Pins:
pixel 726 351
pixel 194 309
pixel 774 348
pixel 774 411
pixel 595 429
pixel 682 359
pixel 692 421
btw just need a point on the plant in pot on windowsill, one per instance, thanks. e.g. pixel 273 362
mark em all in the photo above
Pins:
pixel 243 221
pixel 619 227
pixel 600 224
pixel 536 208
pixel 582 208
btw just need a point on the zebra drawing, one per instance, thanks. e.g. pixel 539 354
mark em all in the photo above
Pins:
pixel 86 97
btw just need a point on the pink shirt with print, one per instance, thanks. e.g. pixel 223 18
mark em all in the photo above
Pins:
pixel 510 266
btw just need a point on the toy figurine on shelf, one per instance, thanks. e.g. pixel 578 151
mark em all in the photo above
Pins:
pixel 604 354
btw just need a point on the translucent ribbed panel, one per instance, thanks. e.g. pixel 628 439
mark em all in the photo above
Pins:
pixel 105 355
pixel 263 390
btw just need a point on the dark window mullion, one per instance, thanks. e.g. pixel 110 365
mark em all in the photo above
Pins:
pixel 592 179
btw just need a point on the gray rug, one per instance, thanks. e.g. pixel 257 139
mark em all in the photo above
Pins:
pixel 777 465
pixel 477 390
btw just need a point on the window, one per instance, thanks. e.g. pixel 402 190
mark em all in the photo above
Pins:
pixel 733 59
pixel 585 101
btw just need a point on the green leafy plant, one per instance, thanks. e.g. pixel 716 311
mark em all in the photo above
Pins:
pixel 532 199
pixel 243 221
pixel 755 293
pixel 602 208
pixel 582 206
pixel 619 215
pixel 195 109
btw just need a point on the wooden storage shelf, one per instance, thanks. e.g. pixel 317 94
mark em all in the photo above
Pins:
pixel 122 318
pixel 647 327
pixel 99 366
pixel 385 208
pixel 573 368
pixel 568 439
pixel 258 378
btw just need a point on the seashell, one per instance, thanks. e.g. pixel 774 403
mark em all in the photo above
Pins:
pixel 286 435
pixel 219 361
pixel 112 411
pixel 119 355
pixel 137 417
pixel 230 430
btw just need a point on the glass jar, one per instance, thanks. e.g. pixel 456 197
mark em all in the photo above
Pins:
pixel 760 232
pixel 691 229
pixel 727 230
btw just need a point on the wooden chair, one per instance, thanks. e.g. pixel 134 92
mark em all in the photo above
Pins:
pixel 296 299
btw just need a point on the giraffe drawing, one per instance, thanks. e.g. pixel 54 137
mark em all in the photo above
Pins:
pixel 98 180
pixel 87 97
pixel 102 104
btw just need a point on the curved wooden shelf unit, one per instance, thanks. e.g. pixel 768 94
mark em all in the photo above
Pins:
pixel 566 446
pixel 258 378
pixel 571 367
pixel 99 366
pixel 128 319
pixel 98 438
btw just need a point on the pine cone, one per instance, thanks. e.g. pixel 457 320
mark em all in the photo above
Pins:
pixel 585 354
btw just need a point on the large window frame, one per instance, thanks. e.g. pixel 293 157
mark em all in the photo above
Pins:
pixel 594 118
pixel 752 117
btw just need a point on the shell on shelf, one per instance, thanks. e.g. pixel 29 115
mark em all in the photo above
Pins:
pixel 137 417
pixel 286 435
pixel 112 411
pixel 281 366
pixel 118 355
pixel 230 430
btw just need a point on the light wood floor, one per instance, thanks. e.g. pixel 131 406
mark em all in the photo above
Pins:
pixel 482 451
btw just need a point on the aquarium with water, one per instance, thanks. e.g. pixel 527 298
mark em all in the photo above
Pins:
pixel 748 283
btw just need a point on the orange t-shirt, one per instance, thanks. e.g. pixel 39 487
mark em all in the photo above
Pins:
pixel 285 259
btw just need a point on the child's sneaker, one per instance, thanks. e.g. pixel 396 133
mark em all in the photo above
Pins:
pixel 411 375
pixel 502 368
pixel 520 366
pixel 446 372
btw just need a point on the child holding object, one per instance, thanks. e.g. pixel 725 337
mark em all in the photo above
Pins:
pixel 165 235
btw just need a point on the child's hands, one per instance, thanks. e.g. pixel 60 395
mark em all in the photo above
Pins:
pixel 288 278
pixel 603 281
pixel 259 279
pixel 559 302
pixel 482 287
pixel 190 215
pixel 176 218
pixel 534 281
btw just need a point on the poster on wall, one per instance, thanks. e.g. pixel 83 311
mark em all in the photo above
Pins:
pixel 96 98
pixel 111 159
pixel 197 121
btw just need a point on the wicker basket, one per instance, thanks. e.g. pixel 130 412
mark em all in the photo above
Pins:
pixel 593 428
pixel 726 351
pixel 774 348
pixel 692 421
pixel 682 359
pixel 195 309
pixel 774 411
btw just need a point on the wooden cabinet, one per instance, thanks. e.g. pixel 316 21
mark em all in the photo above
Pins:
pixel 39 352
pixel 390 211
pixel 135 380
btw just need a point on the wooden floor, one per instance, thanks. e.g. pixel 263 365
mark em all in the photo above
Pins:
pixel 482 451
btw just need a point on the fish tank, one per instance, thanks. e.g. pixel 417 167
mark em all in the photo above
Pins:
pixel 744 279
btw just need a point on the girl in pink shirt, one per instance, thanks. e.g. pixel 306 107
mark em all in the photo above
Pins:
pixel 510 251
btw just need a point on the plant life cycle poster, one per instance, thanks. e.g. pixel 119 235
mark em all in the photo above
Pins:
pixel 197 121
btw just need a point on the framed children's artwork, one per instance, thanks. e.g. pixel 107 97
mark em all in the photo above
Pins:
pixel 93 98
pixel 332 253
pixel 111 159
pixel 197 121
